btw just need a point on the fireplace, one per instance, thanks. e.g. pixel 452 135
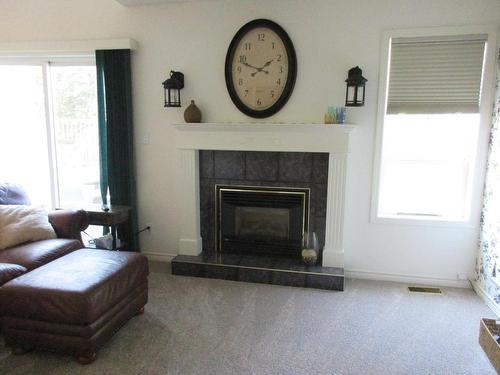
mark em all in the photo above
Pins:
pixel 197 175
pixel 261 220
pixel 309 156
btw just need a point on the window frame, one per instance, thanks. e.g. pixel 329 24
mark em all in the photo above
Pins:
pixel 45 61
pixel 485 111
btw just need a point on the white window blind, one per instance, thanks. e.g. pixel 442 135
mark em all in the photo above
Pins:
pixel 430 76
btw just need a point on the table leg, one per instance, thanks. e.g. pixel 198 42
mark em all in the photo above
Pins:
pixel 114 235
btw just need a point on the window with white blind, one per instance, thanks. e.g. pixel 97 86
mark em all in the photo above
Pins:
pixel 435 75
pixel 430 127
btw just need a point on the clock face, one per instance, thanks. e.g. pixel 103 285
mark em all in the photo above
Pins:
pixel 260 68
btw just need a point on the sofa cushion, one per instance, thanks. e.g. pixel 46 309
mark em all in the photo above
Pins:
pixel 75 289
pixel 36 254
pixel 20 224
pixel 9 271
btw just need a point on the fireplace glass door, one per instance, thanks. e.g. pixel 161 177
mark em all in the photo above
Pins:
pixel 261 220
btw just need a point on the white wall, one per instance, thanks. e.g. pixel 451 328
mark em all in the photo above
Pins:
pixel 329 36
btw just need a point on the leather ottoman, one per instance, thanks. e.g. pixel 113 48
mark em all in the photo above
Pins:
pixel 74 304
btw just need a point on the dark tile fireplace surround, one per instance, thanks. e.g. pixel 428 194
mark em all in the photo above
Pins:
pixel 306 171
pixel 273 169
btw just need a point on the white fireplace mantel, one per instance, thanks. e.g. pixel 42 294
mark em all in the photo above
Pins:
pixel 333 139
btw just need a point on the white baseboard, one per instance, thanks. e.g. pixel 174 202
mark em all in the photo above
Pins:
pixel 368 275
pixel 486 298
pixel 159 257
pixel 408 279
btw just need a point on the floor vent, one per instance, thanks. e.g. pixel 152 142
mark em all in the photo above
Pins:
pixel 419 289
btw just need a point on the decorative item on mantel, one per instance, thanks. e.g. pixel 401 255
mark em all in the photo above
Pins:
pixel 310 248
pixel 172 87
pixel 192 114
pixel 355 91
pixel 335 115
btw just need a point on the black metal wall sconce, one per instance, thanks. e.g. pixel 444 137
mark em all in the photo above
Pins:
pixel 355 90
pixel 172 87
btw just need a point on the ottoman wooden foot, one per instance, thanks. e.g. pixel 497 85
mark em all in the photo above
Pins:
pixel 19 350
pixel 141 311
pixel 87 360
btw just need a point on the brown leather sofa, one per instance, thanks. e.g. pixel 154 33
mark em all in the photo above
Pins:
pixel 56 296
pixel 20 259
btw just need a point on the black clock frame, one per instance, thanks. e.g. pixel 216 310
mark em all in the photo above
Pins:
pixel 292 68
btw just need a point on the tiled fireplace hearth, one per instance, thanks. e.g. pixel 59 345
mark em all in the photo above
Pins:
pixel 304 157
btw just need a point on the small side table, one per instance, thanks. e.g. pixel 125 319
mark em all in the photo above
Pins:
pixel 115 216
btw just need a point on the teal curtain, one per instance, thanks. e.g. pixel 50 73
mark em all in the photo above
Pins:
pixel 114 85
pixel 101 112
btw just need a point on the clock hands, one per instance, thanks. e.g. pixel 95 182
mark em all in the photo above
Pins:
pixel 256 69
pixel 267 63
pixel 250 66
pixel 261 69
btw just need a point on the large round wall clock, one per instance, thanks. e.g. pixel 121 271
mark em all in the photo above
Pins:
pixel 261 68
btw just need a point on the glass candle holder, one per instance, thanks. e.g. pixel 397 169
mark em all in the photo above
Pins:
pixel 335 115
pixel 310 248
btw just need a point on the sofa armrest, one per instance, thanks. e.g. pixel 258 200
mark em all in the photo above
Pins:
pixel 69 223
pixel 9 271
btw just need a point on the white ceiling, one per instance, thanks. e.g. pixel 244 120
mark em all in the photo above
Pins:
pixel 131 3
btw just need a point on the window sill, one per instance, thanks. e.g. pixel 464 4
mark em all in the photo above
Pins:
pixel 417 221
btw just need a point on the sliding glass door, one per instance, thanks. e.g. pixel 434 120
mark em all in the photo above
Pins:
pixel 49 130
pixel 24 142
pixel 74 103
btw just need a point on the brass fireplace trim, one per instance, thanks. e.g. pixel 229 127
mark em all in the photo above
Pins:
pixel 306 206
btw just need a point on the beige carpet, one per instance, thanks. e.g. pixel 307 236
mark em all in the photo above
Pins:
pixel 200 326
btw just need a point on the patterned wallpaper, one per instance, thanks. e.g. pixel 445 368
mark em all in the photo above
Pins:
pixel 488 262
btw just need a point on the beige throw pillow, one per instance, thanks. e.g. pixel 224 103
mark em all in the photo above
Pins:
pixel 19 224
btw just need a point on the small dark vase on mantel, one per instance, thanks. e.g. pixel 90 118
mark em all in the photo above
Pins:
pixel 192 113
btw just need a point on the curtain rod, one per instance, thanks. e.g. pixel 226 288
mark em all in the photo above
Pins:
pixel 65 46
